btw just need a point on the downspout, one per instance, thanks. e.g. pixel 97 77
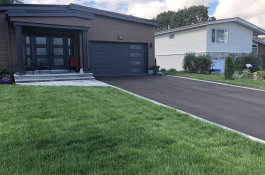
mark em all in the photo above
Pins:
pixel 8 48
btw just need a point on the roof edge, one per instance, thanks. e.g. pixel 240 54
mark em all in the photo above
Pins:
pixel 112 14
pixel 80 8
pixel 220 21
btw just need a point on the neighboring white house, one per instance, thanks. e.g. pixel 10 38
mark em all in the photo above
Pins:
pixel 219 38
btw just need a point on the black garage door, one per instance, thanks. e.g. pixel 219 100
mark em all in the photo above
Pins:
pixel 118 58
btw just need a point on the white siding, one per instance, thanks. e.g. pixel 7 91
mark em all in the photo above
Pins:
pixel 170 61
pixel 192 40
pixel 239 39
pixel 170 52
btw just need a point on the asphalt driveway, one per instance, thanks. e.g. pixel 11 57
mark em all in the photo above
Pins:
pixel 237 108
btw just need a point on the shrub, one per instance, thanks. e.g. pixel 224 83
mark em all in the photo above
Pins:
pixel 229 68
pixel 172 70
pixel 5 76
pixel 163 70
pixel 246 74
pixel 253 59
pixel 189 62
pixel 259 75
pixel 203 63
pixel 197 64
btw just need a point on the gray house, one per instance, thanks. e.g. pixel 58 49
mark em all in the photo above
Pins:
pixel 37 38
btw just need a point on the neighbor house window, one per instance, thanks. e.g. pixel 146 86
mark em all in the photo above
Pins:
pixel 255 49
pixel 171 36
pixel 219 36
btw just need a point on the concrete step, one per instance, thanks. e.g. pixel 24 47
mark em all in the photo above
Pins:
pixel 54 71
pixel 52 77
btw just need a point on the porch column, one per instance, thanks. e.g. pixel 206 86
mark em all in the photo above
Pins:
pixel 19 45
pixel 85 50
pixel 81 53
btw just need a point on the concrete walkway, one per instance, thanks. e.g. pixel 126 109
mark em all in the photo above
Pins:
pixel 66 83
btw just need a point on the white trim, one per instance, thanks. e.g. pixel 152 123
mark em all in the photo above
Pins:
pixel 221 21
pixel 191 115
pixel 224 84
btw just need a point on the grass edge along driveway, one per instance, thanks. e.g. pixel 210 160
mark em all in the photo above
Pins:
pixel 101 130
pixel 220 79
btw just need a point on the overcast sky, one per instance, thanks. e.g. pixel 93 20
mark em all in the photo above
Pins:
pixel 251 10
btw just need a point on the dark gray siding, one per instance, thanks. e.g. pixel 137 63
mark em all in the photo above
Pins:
pixel 108 29
pixel 4 61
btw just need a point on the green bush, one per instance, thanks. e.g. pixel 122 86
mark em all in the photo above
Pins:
pixel 229 68
pixel 246 74
pixel 172 70
pixel 260 75
pixel 197 64
pixel 163 70
pixel 189 62
pixel 253 59
pixel 204 63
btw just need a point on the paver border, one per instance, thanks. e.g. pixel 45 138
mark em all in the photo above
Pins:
pixel 224 84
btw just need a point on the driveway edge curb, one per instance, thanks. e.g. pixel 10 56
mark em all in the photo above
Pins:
pixel 224 84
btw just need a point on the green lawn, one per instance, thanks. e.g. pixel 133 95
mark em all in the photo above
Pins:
pixel 220 78
pixel 101 130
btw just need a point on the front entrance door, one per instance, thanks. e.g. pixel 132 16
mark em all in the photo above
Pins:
pixel 44 52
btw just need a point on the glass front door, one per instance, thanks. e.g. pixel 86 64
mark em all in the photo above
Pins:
pixel 47 52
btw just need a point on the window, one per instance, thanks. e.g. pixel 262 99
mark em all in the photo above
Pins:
pixel 41 51
pixel 41 40
pixel 135 46
pixel 136 55
pixel 171 36
pixel 27 40
pixel 219 36
pixel 58 51
pixel 255 49
pixel 57 41
pixel 28 51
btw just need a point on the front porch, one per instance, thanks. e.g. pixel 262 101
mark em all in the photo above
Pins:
pixel 49 49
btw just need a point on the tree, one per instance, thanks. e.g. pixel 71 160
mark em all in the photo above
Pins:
pixel 229 68
pixel 10 2
pixel 184 17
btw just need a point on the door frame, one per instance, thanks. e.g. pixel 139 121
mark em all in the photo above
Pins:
pixel 50 50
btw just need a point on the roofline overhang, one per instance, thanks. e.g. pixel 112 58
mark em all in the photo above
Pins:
pixel 113 14
pixel 75 9
pixel 50 26
pixel 258 41
pixel 49 14
pixel 237 20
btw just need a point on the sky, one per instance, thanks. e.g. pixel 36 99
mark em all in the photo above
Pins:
pixel 250 10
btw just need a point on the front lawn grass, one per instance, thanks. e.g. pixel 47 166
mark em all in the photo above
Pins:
pixel 220 79
pixel 101 130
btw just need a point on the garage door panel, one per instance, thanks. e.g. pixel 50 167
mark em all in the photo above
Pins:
pixel 118 58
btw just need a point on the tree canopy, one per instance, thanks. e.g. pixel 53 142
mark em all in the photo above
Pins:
pixel 10 2
pixel 184 17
